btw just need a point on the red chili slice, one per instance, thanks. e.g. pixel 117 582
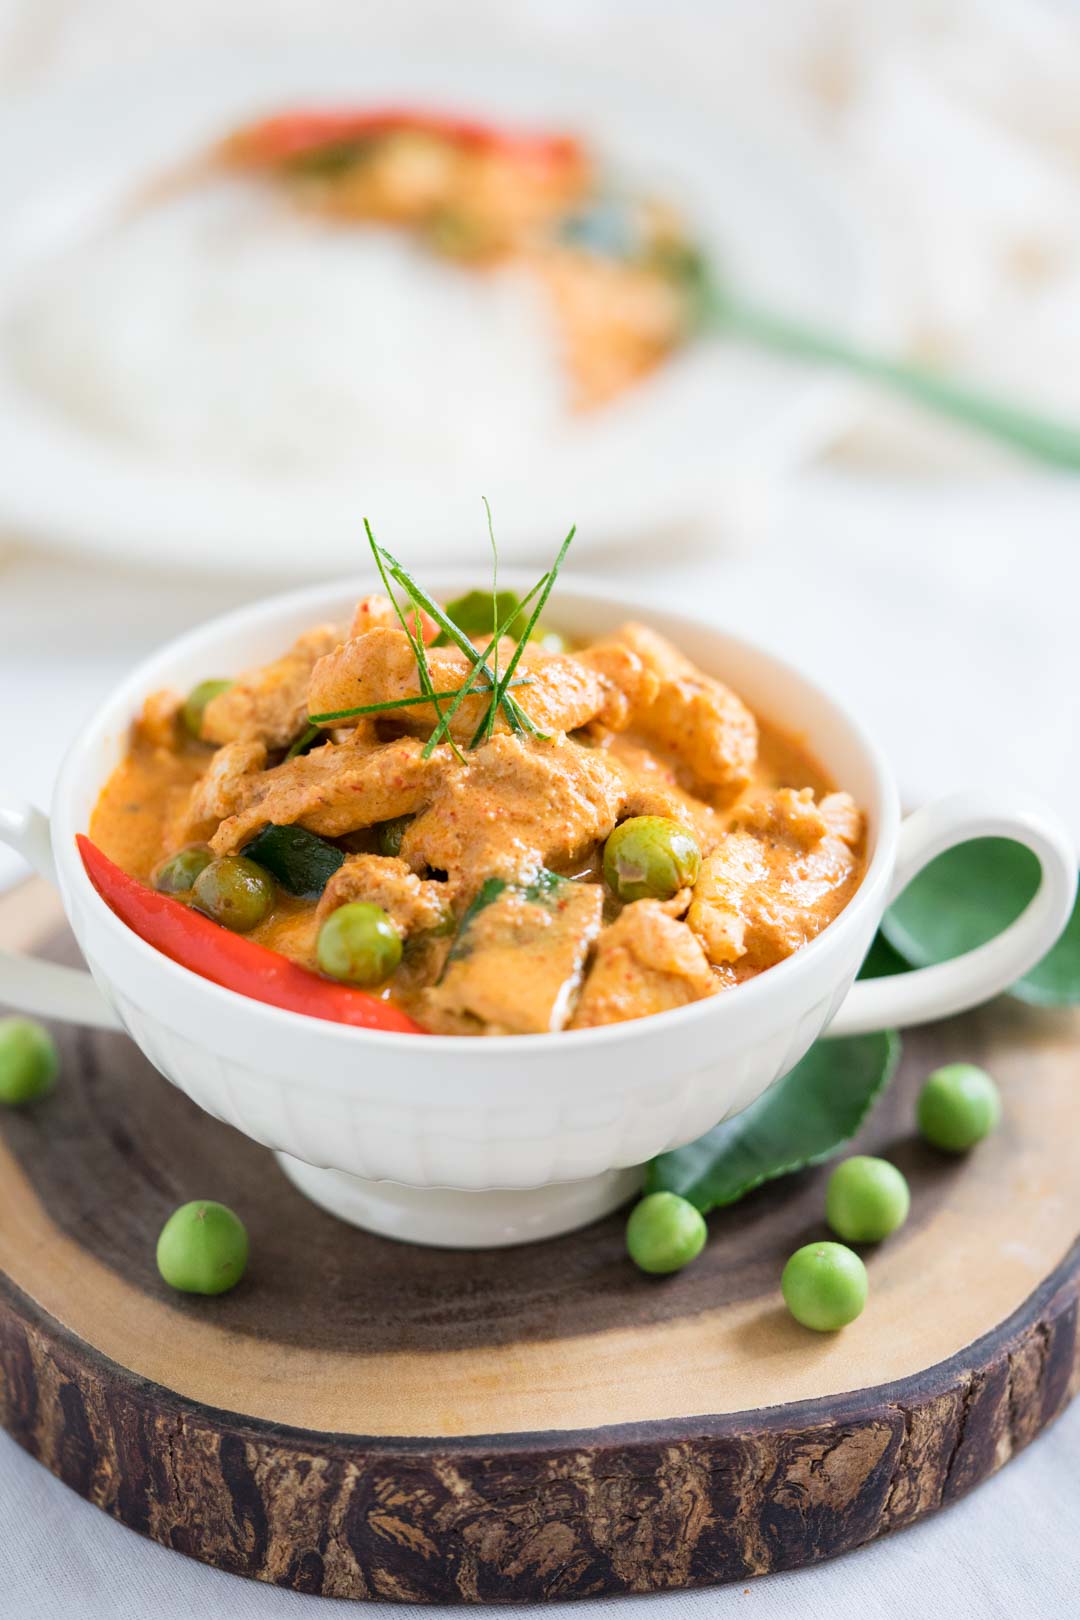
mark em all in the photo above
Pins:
pixel 239 964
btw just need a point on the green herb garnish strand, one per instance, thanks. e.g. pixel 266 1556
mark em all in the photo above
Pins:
pixel 501 684
pixel 304 741
pixel 478 666
pixel 516 717
pixel 490 716
pixel 472 614
pixel 415 641
pixel 318 720
pixel 536 612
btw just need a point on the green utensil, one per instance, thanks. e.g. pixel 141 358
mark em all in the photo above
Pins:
pixel 1055 443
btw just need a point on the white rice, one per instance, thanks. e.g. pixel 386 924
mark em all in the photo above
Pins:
pixel 222 328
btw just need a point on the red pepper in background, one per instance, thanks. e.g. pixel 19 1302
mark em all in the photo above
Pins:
pixel 291 134
pixel 239 964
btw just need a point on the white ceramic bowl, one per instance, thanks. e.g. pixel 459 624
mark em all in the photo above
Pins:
pixel 477 1142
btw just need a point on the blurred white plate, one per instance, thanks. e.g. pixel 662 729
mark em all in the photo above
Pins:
pixel 75 471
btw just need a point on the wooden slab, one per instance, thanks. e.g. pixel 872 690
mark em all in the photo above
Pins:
pixel 366 1419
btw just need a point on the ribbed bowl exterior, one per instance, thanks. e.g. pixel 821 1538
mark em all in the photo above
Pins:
pixel 516 1130
pixel 503 1113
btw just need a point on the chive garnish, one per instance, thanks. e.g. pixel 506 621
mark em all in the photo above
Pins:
pixel 318 720
pixel 483 663
pixel 513 711
pixel 536 612
pixel 304 741
pixel 490 716
pixel 467 687
pixel 416 640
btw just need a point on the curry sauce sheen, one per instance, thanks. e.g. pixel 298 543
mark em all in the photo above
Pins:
pixel 496 884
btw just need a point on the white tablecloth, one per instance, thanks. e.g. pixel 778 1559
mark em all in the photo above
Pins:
pixel 949 611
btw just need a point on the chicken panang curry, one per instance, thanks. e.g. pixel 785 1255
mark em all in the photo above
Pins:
pixel 614 835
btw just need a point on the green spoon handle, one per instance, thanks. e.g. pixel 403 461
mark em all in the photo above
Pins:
pixel 1056 443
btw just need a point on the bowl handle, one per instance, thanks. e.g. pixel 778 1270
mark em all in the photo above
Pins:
pixel 45 988
pixel 977 975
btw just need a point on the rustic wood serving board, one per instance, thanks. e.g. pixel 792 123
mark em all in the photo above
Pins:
pixel 366 1419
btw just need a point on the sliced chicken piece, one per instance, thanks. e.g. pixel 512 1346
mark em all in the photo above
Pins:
pixel 269 705
pixel 785 869
pixel 516 805
pixel 387 882
pixel 843 818
pixel 628 685
pixel 652 789
pixel 380 667
pixel 516 964
pixel 646 961
pixel 219 791
pixel 335 790
pixel 699 721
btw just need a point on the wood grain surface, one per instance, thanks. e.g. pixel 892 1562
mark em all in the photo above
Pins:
pixel 368 1419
